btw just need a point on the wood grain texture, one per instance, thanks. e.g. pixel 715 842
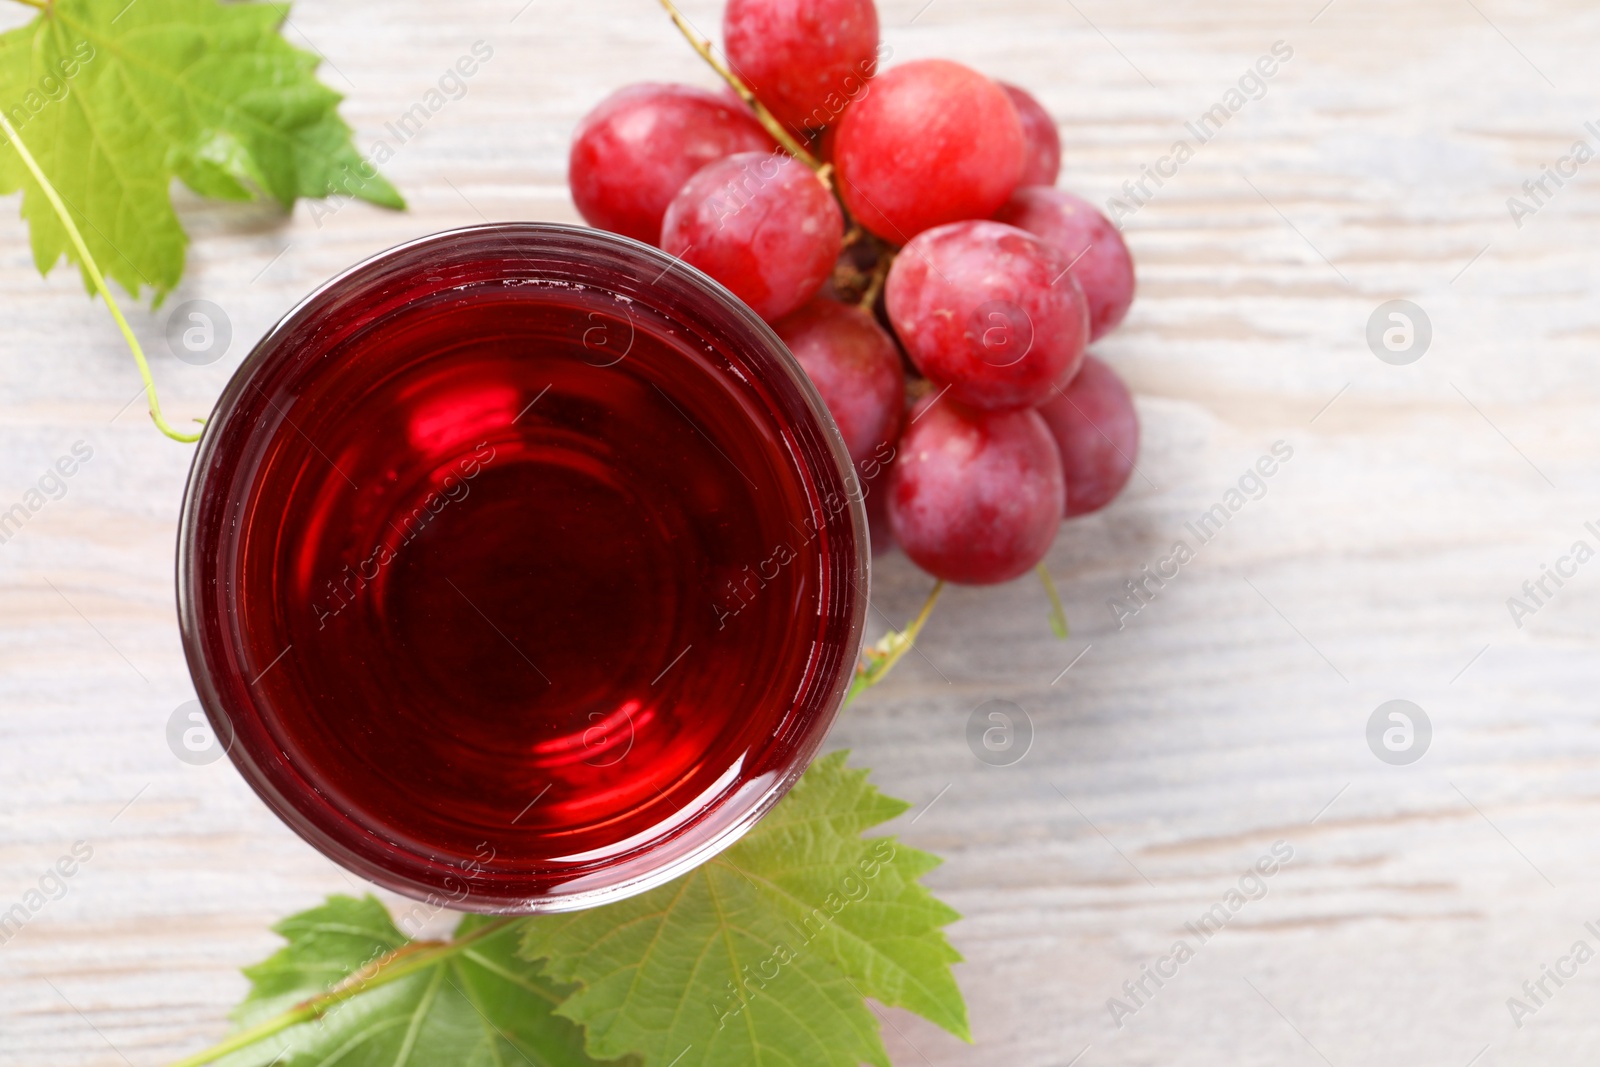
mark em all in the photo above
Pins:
pixel 1227 715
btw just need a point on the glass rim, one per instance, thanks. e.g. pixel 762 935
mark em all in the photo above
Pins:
pixel 206 475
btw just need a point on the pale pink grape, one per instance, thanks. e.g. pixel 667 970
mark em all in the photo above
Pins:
pixel 856 367
pixel 1099 257
pixel 1097 430
pixel 975 496
pixel 1042 164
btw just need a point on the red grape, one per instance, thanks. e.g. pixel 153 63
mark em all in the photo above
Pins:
pixel 856 367
pixel 1042 164
pixel 989 310
pixel 975 496
pixel 760 223
pixel 804 59
pixel 634 151
pixel 1099 257
pixel 1097 430
pixel 932 142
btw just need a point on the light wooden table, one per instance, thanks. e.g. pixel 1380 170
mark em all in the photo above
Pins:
pixel 1229 714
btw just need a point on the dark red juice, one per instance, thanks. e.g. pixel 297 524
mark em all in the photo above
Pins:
pixel 521 582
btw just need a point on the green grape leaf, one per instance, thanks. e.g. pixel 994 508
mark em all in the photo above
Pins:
pixel 116 98
pixel 888 941
pixel 766 954
pixel 481 1006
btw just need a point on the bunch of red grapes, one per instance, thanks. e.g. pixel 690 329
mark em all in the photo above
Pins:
pixel 915 256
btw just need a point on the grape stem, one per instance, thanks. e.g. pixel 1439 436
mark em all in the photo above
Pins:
pixel 92 269
pixel 401 963
pixel 1058 614
pixel 880 274
pixel 765 117
pixel 879 660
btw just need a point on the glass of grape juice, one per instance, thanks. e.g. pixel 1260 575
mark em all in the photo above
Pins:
pixel 521 568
